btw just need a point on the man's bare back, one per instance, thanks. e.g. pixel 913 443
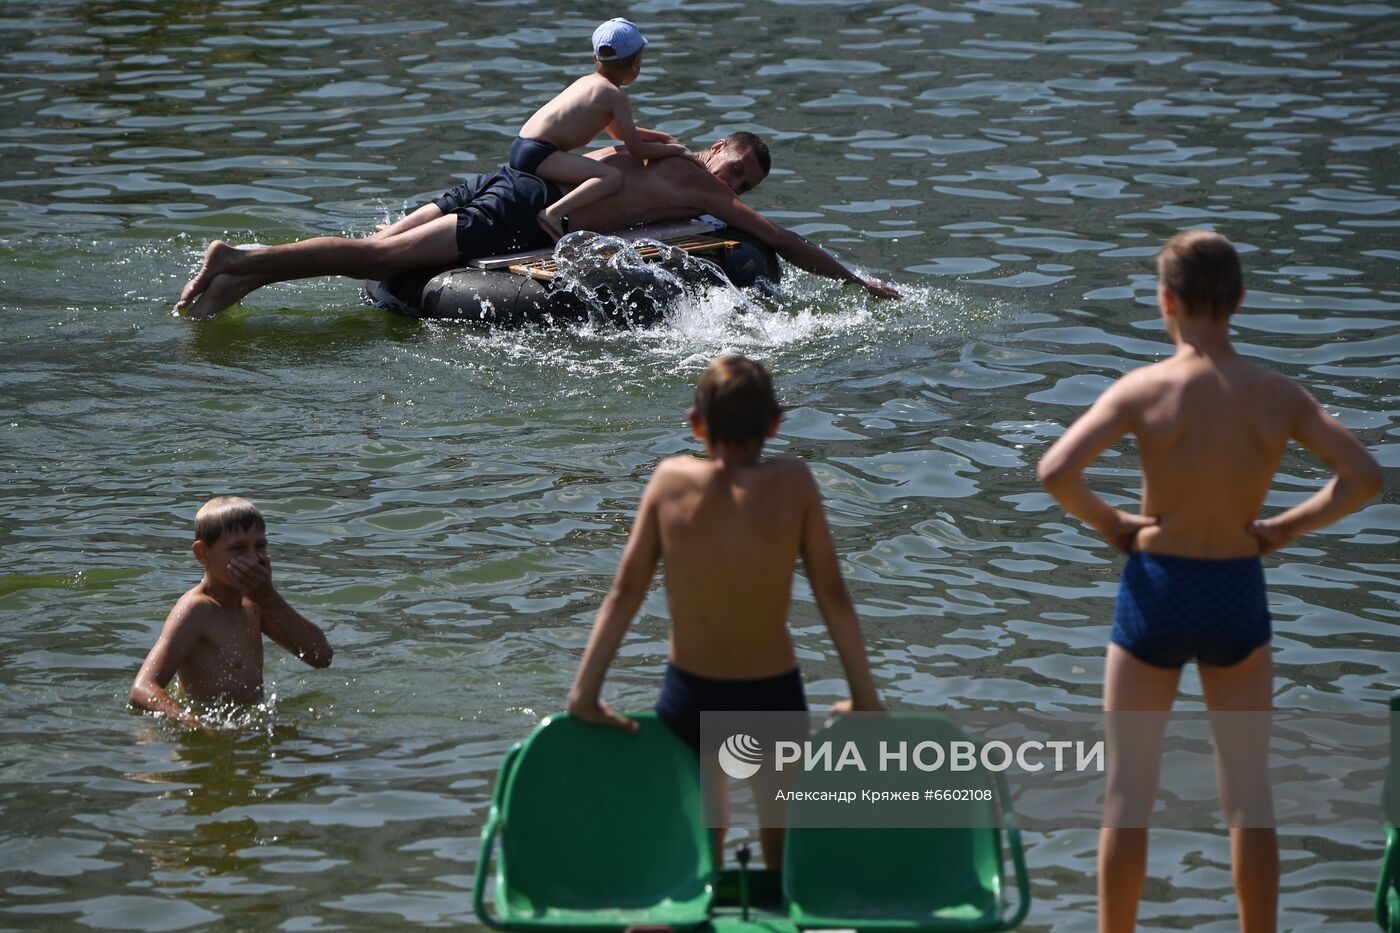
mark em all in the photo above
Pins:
pixel 664 189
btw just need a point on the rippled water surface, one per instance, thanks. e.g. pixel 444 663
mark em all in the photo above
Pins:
pixel 449 503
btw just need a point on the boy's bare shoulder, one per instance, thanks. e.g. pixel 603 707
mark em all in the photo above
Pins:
pixel 590 80
pixel 684 469
pixel 1280 393
pixel 679 463
pixel 587 91
pixel 193 608
pixel 599 87
pixel 1268 380
pixel 677 470
pixel 1145 379
pixel 1145 387
pixel 793 473
pixel 794 466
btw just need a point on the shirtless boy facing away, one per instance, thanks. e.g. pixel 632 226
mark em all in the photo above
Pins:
pixel 212 639
pixel 593 104
pixel 1211 429
pixel 730 530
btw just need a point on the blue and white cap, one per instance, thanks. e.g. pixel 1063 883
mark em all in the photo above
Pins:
pixel 620 35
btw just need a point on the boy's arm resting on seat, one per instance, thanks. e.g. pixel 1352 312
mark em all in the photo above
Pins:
pixel 280 621
pixel 629 588
pixel 178 637
pixel 1357 477
pixel 1061 470
pixel 641 144
pixel 834 603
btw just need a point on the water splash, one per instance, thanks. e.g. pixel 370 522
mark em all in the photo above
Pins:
pixel 808 322
pixel 635 282
pixel 240 717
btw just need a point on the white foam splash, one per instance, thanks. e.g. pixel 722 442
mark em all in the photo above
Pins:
pixel 806 320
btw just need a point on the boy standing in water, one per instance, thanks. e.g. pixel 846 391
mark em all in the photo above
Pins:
pixel 730 529
pixel 590 105
pixel 1211 430
pixel 212 639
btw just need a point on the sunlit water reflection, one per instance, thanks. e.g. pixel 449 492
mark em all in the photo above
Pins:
pixel 450 502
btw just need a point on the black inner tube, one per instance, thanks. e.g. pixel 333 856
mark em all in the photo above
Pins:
pixel 631 295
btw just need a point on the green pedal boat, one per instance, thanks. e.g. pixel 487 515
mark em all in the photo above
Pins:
pixel 595 828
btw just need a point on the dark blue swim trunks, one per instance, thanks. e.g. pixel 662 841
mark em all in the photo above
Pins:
pixel 496 212
pixel 684 696
pixel 527 154
pixel 1175 609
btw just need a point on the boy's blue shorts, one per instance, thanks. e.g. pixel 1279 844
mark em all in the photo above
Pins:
pixel 526 154
pixel 684 696
pixel 1176 609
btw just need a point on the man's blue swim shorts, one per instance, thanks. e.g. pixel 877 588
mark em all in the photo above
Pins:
pixel 496 212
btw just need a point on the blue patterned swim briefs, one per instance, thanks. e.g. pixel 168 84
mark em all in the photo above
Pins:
pixel 1175 609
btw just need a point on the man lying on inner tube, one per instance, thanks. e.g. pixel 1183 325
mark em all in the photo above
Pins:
pixel 493 214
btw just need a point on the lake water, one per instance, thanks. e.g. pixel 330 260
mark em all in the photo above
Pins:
pixel 449 502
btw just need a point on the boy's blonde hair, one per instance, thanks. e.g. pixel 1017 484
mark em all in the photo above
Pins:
pixel 1203 270
pixel 225 513
pixel 734 401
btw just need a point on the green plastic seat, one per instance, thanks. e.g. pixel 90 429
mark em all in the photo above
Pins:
pixel 1388 887
pixel 906 878
pixel 598 829
pixel 1388 890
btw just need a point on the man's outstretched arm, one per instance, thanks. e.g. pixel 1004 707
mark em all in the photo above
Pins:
pixel 789 245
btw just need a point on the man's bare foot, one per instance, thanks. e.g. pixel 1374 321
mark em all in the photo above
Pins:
pixel 550 225
pixel 224 289
pixel 215 261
